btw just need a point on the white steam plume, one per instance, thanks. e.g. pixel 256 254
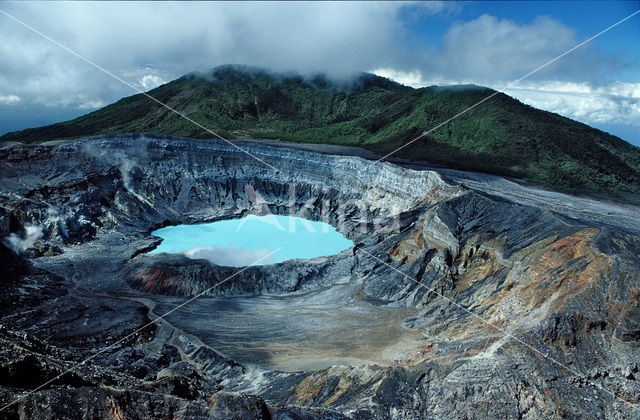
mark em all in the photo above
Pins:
pixel 232 257
pixel 18 243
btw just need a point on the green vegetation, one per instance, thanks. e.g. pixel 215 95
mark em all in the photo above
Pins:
pixel 501 136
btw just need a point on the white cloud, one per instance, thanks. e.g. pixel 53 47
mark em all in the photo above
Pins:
pixel 615 103
pixel 148 44
pixel 415 78
pixel 494 52
pixel 411 78
pixel 95 104
pixel 9 99
pixel 172 39
pixel 490 51
pixel 232 257
pixel 150 81
pixel 488 48
pixel 611 103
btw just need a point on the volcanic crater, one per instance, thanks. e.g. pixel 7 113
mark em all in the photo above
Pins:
pixel 465 293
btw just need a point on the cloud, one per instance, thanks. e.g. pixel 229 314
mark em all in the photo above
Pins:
pixel 233 257
pixel 89 104
pixel 614 103
pixel 9 99
pixel 413 78
pixel 495 52
pixel 148 44
pixel 416 79
pixel 150 81
pixel 489 49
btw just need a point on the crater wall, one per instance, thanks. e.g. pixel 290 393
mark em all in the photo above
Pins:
pixel 456 300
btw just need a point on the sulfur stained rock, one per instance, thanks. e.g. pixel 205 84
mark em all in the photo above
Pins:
pixel 482 297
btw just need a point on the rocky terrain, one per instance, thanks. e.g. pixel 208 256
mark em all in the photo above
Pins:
pixel 464 296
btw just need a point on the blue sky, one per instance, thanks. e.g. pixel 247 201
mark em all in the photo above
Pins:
pixel 586 17
pixel 418 44
pixel 620 46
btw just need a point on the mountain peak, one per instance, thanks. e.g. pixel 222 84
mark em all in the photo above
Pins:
pixel 501 136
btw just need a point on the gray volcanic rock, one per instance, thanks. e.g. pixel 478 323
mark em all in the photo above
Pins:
pixel 464 296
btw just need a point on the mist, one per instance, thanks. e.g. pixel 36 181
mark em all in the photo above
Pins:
pixel 149 45
pixel 232 257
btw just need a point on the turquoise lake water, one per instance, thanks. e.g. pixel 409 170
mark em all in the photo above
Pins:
pixel 252 239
